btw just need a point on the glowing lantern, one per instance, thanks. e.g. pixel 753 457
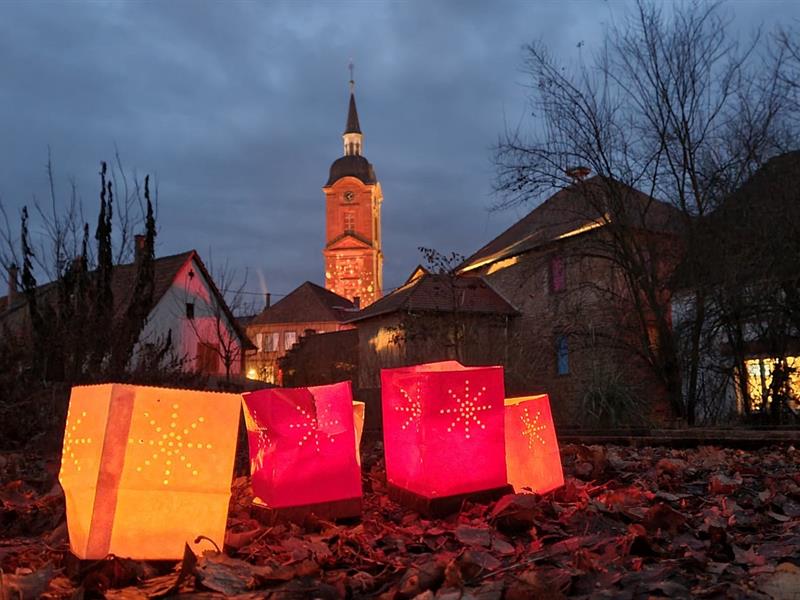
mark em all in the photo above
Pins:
pixel 303 446
pixel 532 456
pixel 443 428
pixel 359 409
pixel 146 470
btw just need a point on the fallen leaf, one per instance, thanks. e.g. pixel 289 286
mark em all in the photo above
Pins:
pixel 26 586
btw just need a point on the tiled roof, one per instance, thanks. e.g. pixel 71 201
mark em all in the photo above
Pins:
pixel 123 281
pixel 574 210
pixel 440 293
pixel 307 303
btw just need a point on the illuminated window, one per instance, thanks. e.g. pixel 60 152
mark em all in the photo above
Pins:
pixel 289 339
pixel 761 381
pixel 558 274
pixel 349 221
pixel 562 355
pixel 271 341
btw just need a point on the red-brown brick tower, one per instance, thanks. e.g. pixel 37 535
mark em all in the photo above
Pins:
pixel 353 257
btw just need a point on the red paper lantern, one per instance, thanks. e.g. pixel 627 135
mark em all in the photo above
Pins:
pixel 532 455
pixel 303 445
pixel 443 428
pixel 146 470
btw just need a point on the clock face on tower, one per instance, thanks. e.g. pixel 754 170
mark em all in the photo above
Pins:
pixel 348 196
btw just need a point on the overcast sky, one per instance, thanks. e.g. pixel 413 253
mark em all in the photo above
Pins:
pixel 237 110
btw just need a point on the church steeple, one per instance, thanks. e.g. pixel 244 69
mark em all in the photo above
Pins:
pixel 352 137
pixel 353 199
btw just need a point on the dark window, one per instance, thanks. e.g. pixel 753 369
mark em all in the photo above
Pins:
pixel 190 310
pixel 349 221
pixel 562 355
pixel 558 274
pixel 207 358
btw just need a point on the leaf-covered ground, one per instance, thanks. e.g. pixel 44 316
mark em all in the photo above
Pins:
pixel 629 523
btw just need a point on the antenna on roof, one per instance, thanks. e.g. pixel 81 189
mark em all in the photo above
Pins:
pixel 352 67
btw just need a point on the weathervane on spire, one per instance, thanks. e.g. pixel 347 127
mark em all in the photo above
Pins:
pixel 352 67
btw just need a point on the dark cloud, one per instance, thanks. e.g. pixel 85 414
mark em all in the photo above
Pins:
pixel 236 109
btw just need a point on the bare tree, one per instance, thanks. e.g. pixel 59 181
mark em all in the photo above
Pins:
pixel 671 105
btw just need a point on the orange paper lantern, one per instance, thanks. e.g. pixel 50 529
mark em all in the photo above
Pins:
pixel 146 470
pixel 532 455
pixel 303 445
pixel 443 428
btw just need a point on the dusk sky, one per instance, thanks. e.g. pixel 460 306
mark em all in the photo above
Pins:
pixel 236 109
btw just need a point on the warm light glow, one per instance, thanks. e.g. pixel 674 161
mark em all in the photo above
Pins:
pixel 761 379
pixel 143 470
pixel 532 455
pixel 359 411
pixel 503 264
pixel 252 374
pixel 302 444
pixel 443 428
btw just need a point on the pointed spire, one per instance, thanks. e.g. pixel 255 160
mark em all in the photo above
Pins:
pixel 352 113
pixel 352 116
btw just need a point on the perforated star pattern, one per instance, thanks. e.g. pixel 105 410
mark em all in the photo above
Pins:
pixel 171 446
pixel 73 441
pixel 310 427
pixel 532 427
pixel 411 408
pixel 262 435
pixel 466 409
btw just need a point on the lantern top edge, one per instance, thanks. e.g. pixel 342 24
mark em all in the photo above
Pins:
pixel 440 367
pixel 310 388
pixel 522 399
pixel 152 387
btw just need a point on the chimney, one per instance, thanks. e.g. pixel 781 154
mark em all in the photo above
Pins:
pixel 357 302
pixel 139 242
pixel 578 173
pixel 13 271
pixel 267 300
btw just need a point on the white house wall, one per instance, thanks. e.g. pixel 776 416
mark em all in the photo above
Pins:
pixel 170 314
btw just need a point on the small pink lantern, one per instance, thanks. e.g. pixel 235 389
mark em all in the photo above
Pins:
pixel 532 455
pixel 443 429
pixel 303 450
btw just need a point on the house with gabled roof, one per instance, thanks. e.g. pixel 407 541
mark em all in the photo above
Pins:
pixel 579 336
pixel 189 318
pixel 307 309
pixel 432 317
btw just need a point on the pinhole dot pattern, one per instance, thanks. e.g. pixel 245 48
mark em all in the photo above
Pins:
pixel 411 408
pixel 309 428
pixel 172 447
pixel 531 428
pixel 467 409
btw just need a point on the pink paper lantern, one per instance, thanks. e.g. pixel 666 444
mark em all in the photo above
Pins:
pixel 532 455
pixel 443 428
pixel 302 445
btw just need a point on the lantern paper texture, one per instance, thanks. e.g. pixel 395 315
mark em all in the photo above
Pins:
pixel 532 455
pixel 146 470
pixel 303 445
pixel 359 410
pixel 443 428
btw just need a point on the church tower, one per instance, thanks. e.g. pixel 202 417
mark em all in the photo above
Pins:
pixel 353 257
